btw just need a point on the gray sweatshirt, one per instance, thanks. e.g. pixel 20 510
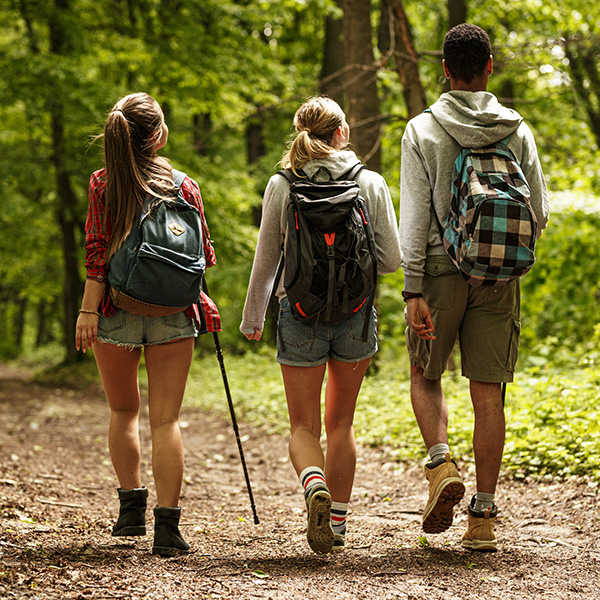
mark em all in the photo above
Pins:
pixel 272 232
pixel 430 146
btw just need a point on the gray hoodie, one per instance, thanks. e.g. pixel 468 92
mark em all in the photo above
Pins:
pixel 430 146
pixel 272 231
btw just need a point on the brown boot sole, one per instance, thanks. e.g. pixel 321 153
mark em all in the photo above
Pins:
pixel 439 517
pixel 319 532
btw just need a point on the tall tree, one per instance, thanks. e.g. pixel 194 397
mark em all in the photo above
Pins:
pixel 399 42
pixel 361 82
pixel 66 200
pixel 331 81
pixel 583 55
pixel 457 12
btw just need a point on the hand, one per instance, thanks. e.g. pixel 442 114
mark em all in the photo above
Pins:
pixel 254 336
pixel 418 316
pixel 86 331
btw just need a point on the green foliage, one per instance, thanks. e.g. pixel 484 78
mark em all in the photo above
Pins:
pixel 552 413
pixel 561 294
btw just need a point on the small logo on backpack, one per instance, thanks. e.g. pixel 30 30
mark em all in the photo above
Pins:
pixel 176 228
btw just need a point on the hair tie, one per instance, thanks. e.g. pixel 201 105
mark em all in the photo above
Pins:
pixel 119 110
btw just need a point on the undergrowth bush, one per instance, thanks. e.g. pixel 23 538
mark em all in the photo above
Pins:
pixel 552 414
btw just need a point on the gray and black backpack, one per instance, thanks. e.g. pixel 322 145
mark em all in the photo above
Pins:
pixel 329 260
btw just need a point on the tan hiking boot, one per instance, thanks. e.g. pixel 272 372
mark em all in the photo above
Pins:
pixel 446 490
pixel 481 534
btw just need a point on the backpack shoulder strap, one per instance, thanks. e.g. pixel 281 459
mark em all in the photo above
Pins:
pixel 351 174
pixel 291 176
pixel 178 178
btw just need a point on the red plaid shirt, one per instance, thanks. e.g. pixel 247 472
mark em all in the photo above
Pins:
pixel 96 242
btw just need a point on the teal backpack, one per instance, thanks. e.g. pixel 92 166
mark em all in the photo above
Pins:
pixel 490 231
pixel 158 270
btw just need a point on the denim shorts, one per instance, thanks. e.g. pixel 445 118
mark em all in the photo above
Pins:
pixel 134 331
pixel 306 344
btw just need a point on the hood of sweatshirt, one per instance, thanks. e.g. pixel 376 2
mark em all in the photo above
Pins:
pixel 475 119
pixel 337 164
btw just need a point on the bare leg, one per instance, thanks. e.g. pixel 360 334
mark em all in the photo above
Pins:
pixel 343 384
pixel 303 395
pixel 118 368
pixel 168 367
pixel 429 406
pixel 488 436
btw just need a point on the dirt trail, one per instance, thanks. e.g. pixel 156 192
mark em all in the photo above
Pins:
pixel 58 502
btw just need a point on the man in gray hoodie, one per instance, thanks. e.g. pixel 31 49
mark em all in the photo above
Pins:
pixel 440 304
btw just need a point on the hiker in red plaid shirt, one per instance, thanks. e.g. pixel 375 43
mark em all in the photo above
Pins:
pixel 134 131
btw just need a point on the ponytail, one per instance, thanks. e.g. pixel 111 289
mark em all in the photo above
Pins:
pixel 316 122
pixel 133 170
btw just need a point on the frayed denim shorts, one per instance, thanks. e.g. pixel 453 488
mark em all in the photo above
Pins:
pixel 134 331
pixel 305 344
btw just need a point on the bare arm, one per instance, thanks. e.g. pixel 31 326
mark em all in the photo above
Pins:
pixel 86 329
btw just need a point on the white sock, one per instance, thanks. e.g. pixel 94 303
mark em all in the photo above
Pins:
pixel 483 501
pixel 438 451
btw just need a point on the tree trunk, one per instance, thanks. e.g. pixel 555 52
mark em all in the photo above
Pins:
pixel 20 323
pixel 583 67
pixel 331 82
pixel 507 93
pixel 457 13
pixel 255 143
pixel 406 60
pixel 361 83
pixel 66 200
pixel 201 133
pixel 42 337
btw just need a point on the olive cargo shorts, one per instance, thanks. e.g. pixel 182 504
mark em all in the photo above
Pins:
pixel 485 319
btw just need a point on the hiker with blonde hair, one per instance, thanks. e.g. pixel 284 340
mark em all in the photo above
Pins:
pixel 307 350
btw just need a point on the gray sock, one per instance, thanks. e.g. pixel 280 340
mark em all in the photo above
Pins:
pixel 438 452
pixel 483 501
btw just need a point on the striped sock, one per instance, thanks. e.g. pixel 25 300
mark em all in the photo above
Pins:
pixel 311 477
pixel 339 510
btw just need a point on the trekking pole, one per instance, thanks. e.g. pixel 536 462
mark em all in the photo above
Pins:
pixel 219 353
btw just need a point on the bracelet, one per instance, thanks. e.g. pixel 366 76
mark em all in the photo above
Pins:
pixel 410 295
pixel 89 312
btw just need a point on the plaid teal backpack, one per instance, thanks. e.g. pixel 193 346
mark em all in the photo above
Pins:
pixel 491 228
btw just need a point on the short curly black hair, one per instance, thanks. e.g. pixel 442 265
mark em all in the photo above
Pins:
pixel 467 49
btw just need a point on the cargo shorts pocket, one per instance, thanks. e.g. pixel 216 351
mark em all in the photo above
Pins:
pixel 513 348
pixel 440 283
pixel 418 349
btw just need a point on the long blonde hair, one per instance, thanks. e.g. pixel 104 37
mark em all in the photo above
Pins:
pixel 316 122
pixel 133 169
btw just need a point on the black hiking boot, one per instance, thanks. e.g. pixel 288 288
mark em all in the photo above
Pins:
pixel 132 513
pixel 167 538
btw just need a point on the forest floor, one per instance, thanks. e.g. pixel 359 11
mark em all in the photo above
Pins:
pixel 58 503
